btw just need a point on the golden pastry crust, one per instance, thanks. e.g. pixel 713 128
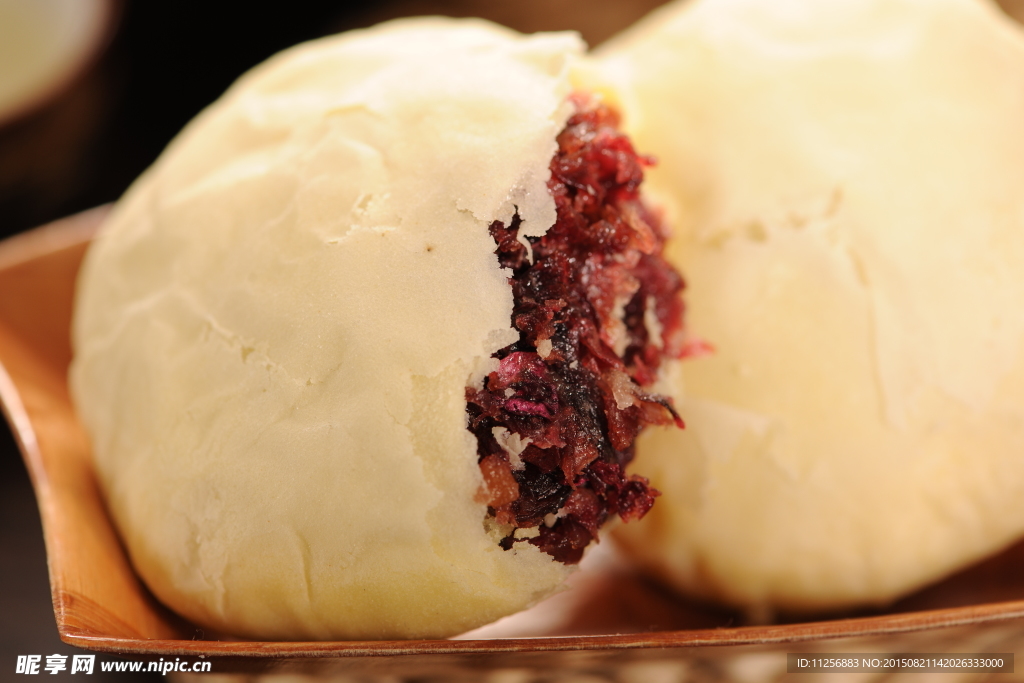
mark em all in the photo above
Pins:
pixel 275 330
pixel 847 182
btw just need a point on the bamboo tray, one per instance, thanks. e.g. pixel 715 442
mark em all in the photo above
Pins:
pixel 612 618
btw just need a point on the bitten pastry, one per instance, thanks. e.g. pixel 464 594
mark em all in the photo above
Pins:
pixel 847 183
pixel 363 355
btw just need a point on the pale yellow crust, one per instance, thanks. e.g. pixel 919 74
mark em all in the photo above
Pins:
pixel 274 333
pixel 846 177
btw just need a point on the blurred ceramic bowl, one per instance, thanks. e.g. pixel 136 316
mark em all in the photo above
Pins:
pixel 44 45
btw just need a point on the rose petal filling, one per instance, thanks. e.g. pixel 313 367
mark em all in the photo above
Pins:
pixel 598 309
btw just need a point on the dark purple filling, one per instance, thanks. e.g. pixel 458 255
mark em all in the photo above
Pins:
pixel 596 281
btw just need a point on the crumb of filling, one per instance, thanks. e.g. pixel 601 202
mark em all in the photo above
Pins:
pixel 598 309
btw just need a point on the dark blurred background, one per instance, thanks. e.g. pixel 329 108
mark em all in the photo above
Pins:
pixel 158 65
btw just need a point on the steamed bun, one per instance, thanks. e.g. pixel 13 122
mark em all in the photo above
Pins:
pixel 275 330
pixel 847 178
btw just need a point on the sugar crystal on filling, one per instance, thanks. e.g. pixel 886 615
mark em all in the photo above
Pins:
pixel 598 309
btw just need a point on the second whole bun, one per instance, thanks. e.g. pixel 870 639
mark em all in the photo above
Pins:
pixel 847 181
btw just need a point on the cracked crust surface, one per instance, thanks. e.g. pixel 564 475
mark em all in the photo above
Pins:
pixel 847 182
pixel 275 330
